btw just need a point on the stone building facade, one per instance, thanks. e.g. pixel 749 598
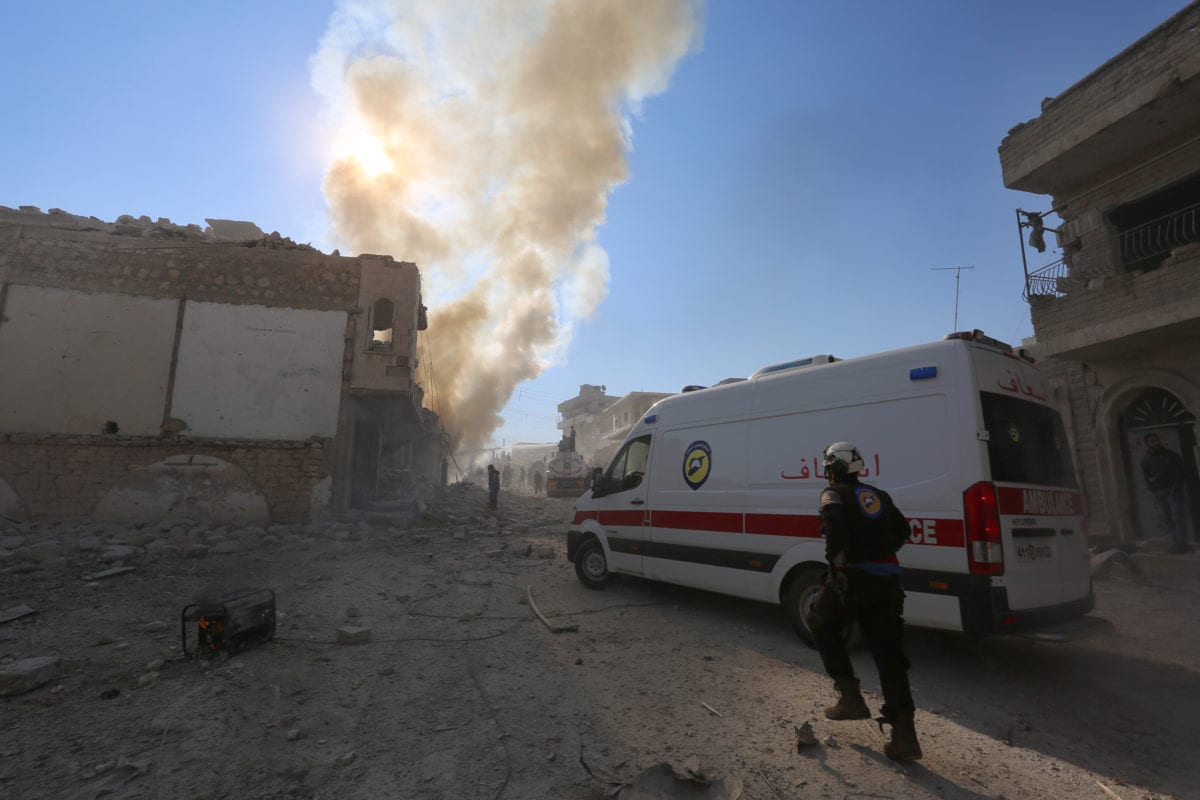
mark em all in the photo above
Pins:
pixel 150 370
pixel 1117 314
pixel 617 420
pixel 579 414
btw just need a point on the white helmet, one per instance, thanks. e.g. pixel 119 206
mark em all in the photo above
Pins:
pixel 843 459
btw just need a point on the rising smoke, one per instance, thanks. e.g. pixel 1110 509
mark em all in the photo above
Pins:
pixel 480 139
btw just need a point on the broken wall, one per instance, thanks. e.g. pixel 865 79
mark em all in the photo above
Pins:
pixel 94 326
pixel 253 372
pixel 72 361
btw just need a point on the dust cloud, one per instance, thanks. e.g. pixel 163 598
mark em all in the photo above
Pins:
pixel 480 139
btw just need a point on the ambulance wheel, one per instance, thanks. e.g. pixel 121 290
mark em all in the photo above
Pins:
pixel 591 566
pixel 798 600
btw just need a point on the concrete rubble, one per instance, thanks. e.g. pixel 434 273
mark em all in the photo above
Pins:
pixel 28 674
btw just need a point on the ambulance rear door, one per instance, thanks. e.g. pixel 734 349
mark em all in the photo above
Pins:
pixel 1040 508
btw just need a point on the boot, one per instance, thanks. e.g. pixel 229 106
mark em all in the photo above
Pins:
pixel 850 704
pixel 903 745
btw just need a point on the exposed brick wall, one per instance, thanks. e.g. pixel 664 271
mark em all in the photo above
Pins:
pixel 1084 209
pixel 1143 70
pixel 1080 397
pixel 61 476
pixel 35 253
pixel 65 476
pixel 1101 308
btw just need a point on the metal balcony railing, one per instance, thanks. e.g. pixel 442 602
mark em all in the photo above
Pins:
pixel 1145 246
pixel 1046 282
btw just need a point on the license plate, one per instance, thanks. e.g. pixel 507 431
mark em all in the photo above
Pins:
pixel 1035 551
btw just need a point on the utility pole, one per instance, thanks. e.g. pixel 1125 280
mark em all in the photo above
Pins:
pixel 957 277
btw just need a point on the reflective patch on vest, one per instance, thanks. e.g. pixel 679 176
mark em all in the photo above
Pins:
pixel 868 501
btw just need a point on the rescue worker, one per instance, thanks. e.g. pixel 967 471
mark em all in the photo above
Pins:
pixel 493 485
pixel 537 480
pixel 863 529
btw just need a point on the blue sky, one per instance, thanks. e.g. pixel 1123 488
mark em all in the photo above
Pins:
pixel 788 194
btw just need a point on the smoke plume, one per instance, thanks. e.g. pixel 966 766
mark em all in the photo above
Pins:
pixel 480 139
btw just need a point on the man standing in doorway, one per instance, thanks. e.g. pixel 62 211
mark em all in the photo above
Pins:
pixel 1163 470
pixel 863 529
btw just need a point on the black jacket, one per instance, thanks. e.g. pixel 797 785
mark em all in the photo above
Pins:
pixel 1162 469
pixel 861 521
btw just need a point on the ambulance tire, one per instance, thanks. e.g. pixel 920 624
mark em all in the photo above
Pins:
pixel 800 595
pixel 591 566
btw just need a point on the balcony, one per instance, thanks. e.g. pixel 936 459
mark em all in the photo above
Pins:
pixel 1132 291
pixel 1141 248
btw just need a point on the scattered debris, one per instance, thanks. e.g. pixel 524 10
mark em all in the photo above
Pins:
pixel 1102 563
pixel 108 573
pixel 1108 791
pixel 353 634
pixel 546 622
pixel 113 779
pixel 712 710
pixel 16 612
pixel 805 736
pixel 666 781
pixel 27 674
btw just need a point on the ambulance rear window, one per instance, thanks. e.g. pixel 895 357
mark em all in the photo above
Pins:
pixel 1026 442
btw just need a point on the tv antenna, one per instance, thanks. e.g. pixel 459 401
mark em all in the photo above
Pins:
pixel 957 278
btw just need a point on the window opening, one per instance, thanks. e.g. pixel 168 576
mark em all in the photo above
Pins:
pixel 383 314
pixel 1150 228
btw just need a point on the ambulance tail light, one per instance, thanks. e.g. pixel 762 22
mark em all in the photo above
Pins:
pixel 981 513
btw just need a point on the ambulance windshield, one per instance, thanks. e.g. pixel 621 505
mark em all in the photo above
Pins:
pixel 1027 442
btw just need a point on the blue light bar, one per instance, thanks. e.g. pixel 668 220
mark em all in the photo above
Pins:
pixel 922 373
pixel 650 420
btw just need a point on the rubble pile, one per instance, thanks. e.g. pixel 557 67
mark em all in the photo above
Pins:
pixel 96 548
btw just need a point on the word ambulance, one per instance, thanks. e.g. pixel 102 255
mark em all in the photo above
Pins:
pixel 712 488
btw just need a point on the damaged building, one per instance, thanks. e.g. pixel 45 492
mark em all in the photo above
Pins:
pixel 602 421
pixel 1116 311
pixel 151 370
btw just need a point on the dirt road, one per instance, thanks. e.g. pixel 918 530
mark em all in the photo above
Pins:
pixel 462 693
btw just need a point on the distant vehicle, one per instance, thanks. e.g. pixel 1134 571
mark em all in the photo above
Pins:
pixel 566 475
pixel 718 488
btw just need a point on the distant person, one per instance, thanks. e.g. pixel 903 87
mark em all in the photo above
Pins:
pixel 537 481
pixel 863 529
pixel 1163 471
pixel 506 476
pixel 521 480
pixel 493 485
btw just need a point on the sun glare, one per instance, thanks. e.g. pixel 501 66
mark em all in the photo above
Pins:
pixel 371 155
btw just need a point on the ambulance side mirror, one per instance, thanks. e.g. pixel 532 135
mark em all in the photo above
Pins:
pixel 598 482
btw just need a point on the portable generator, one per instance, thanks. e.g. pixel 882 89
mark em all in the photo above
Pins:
pixel 239 620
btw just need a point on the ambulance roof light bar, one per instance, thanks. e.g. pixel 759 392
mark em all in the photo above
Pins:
pixel 979 337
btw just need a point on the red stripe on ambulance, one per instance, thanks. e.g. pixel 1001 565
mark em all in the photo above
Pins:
pixel 806 527
pixel 937 532
pixel 715 521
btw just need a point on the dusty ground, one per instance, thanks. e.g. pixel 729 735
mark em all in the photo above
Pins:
pixel 463 693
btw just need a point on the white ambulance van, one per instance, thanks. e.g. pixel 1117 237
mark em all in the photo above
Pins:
pixel 718 488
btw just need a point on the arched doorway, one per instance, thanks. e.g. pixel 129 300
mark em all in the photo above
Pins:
pixel 1156 412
